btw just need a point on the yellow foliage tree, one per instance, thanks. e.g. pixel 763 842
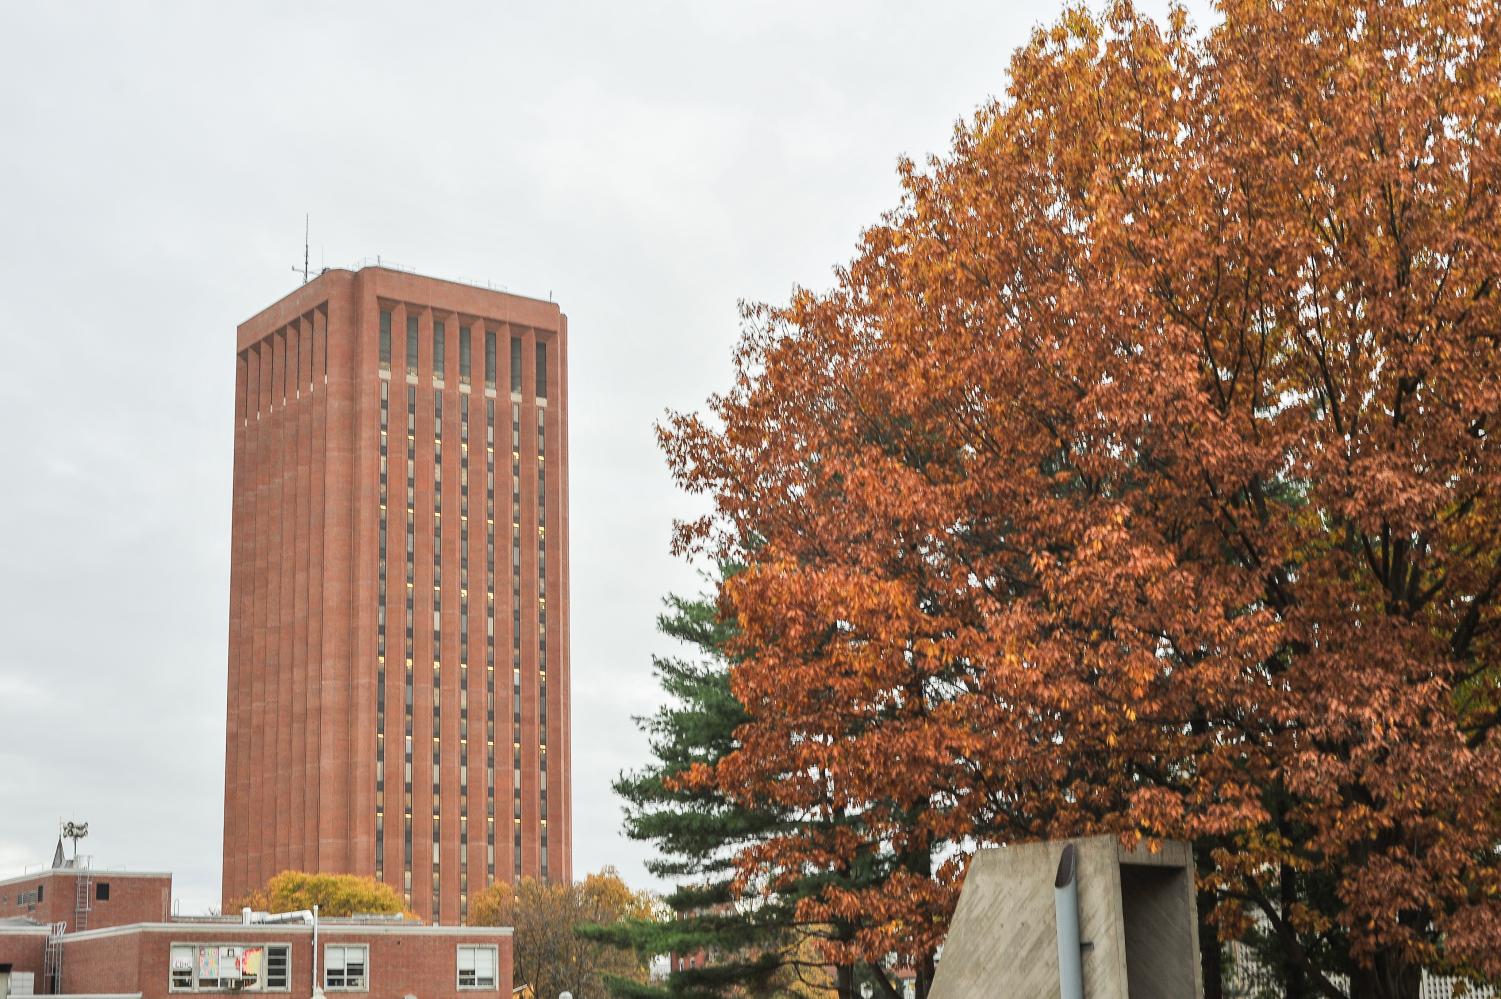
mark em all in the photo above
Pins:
pixel 333 894
pixel 548 955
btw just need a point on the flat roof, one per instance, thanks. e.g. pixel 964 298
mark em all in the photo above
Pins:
pixel 22 924
pixel 340 927
pixel 73 872
pixel 393 276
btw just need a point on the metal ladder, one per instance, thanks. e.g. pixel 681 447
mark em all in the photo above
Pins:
pixel 83 899
pixel 52 959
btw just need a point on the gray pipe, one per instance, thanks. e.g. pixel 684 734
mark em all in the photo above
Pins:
pixel 1066 909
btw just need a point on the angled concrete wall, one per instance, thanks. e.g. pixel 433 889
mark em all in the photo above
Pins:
pixel 1136 921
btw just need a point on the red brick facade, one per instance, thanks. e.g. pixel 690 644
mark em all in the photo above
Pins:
pixel 316 755
pixel 23 950
pixel 399 958
pixel 108 898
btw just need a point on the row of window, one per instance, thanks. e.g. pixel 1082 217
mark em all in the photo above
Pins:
pixel 439 353
pixel 268 968
pixel 437 755
pixel 380 675
pixel 542 631
pixel 439 356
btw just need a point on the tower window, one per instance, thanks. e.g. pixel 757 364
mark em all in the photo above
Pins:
pixel 489 358
pixel 411 345
pixel 541 370
pixel 439 335
pixel 464 354
pixel 516 364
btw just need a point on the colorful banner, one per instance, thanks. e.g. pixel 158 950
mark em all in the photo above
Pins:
pixel 208 962
pixel 250 962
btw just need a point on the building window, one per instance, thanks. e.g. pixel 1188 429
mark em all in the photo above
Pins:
pixel 516 364
pixel 101 891
pixel 385 340
pixel 344 967
pixel 477 967
pixel 199 967
pixel 489 358
pixel 541 370
pixel 464 354
pixel 411 345
pixel 440 353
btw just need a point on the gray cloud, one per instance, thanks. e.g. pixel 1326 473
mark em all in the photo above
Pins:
pixel 648 164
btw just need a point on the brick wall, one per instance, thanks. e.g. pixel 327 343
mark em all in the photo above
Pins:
pixel 305 672
pixel 402 959
pixel 23 950
pixel 133 898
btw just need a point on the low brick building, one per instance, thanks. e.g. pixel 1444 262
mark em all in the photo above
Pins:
pixel 85 898
pixel 225 956
pixel 60 936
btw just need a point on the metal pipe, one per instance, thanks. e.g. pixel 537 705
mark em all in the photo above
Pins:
pixel 1066 911
pixel 304 916
pixel 314 961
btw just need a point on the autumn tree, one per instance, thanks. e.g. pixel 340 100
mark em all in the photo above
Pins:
pixel 333 894
pixel 1139 475
pixel 547 952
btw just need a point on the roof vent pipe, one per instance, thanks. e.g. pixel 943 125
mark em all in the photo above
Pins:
pixel 1066 911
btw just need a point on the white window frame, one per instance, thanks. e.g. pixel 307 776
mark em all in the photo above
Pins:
pixel 261 985
pixel 364 949
pixel 474 949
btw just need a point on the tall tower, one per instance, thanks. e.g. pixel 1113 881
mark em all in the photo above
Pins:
pixel 398 626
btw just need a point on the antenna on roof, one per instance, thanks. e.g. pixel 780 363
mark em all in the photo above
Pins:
pixel 305 223
pixel 75 831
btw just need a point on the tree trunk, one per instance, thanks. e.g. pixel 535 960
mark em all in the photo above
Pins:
pixel 1211 964
pixel 844 981
pixel 1294 975
pixel 1210 953
pixel 924 983
pixel 1389 977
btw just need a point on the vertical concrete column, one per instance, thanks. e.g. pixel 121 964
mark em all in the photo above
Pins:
pixel 336 669
pixel 560 768
pixel 305 719
pixel 353 346
pixel 237 696
pixel 312 403
pixel 261 659
pixel 283 568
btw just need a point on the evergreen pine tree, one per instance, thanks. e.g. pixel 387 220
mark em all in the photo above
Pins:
pixel 752 948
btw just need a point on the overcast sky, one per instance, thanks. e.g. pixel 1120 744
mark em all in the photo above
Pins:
pixel 648 164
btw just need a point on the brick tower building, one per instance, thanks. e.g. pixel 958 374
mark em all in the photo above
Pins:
pixel 398 628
